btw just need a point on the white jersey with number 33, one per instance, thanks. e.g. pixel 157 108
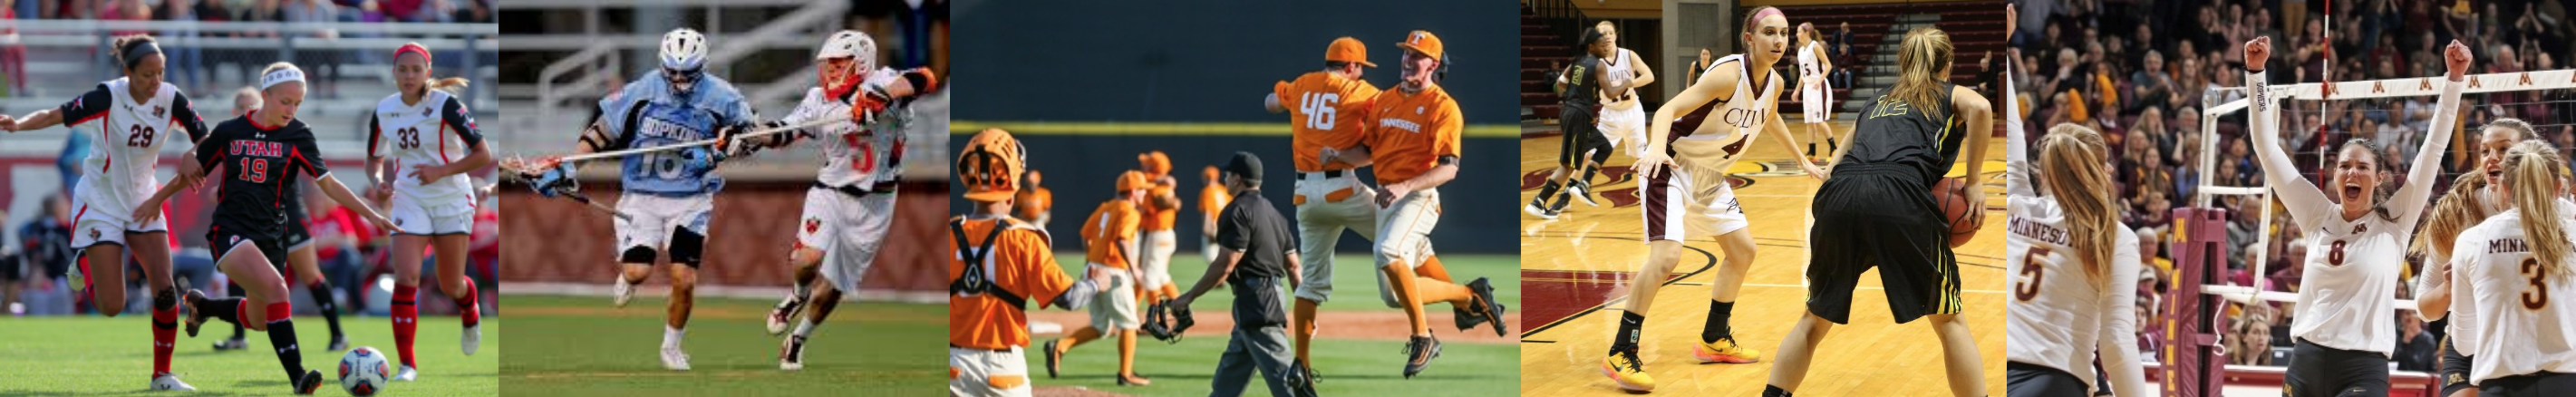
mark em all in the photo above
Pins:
pixel 433 132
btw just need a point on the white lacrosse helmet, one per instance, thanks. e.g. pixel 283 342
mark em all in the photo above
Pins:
pixel 684 49
pixel 850 44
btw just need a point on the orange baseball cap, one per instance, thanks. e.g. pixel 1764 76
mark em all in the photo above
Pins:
pixel 1132 180
pixel 989 165
pixel 1154 163
pixel 1423 41
pixel 1347 49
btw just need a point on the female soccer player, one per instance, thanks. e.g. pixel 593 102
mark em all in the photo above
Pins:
pixel 2075 267
pixel 2343 330
pixel 2511 269
pixel 1877 210
pixel 432 141
pixel 260 153
pixel 139 110
pixel 1690 142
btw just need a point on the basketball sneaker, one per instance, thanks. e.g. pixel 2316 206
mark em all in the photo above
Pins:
pixel 1724 350
pixel 1629 372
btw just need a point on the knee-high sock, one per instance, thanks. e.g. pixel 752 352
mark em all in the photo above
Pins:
pixel 406 320
pixel 281 334
pixel 227 309
pixel 237 293
pixel 165 328
pixel 322 299
pixel 468 305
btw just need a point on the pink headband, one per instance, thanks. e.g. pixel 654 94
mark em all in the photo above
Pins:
pixel 1757 16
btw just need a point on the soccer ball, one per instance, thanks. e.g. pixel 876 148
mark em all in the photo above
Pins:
pixel 363 371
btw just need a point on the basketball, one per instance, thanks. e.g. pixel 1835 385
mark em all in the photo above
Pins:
pixel 1955 209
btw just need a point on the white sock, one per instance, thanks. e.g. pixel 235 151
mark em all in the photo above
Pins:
pixel 805 327
pixel 671 336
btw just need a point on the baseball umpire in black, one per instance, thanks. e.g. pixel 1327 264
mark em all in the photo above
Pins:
pixel 1258 249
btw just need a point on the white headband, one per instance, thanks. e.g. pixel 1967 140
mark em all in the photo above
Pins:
pixel 281 76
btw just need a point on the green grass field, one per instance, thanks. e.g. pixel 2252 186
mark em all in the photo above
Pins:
pixel 1349 367
pixel 1354 278
pixel 584 347
pixel 113 356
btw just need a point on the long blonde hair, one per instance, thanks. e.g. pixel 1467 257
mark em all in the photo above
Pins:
pixel 2457 211
pixel 2531 171
pixel 1922 63
pixel 2071 158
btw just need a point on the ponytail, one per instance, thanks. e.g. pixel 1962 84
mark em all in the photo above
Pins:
pixel 2456 212
pixel 2071 158
pixel 451 84
pixel 2531 171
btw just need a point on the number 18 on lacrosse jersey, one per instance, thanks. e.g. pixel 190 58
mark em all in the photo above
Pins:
pixel 650 114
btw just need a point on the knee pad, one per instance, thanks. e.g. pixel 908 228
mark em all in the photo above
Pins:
pixel 166 299
pixel 687 246
pixel 637 254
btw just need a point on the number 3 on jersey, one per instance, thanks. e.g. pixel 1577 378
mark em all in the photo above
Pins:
pixel 1319 109
pixel 2029 288
pixel 2538 296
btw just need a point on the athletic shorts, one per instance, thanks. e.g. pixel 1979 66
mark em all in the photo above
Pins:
pixel 1879 216
pixel 848 230
pixel 99 219
pixel 2549 384
pixel 1623 122
pixel 1115 306
pixel 2455 369
pixel 2319 371
pixel 420 218
pixel 987 372
pixel 2033 380
pixel 1582 137
pixel 1681 204
pixel 652 221
pixel 1816 105
pixel 270 247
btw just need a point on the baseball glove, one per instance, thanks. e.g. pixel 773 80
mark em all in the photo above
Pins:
pixel 1165 321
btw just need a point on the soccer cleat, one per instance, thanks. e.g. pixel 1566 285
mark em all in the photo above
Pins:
pixel 196 314
pixel 407 374
pixel 231 344
pixel 1582 190
pixel 312 379
pixel 339 343
pixel 80 278
pixel 470 341
pixel 791 355
pixel 622 292
pixel 674 359
pixel 1542 212
pixel 1493 308
pixel 1421 349
pixel 1724 351
pixel 1052 356
pixel 784 314
pixel 170 381
pixel 1629 372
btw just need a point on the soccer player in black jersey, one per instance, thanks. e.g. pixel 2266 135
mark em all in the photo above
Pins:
pixel 260 154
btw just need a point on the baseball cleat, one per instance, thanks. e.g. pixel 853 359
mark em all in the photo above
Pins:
pixel 1724 350
pixel 1052 356
pixel 1629 372
pixel 1493 308
pixel 1134 380
pixel 170 381
pixel 1421 349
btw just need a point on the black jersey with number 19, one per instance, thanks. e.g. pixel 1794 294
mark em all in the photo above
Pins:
pixel 259 163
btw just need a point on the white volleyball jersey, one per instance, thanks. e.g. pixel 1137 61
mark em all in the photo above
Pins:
pixel 118 171
pixel 2514 314
pixel 2348 296
pixel 853 155
pixel 1811 70
pixel 2057 317
pixel 1621 63
pixel 433 132
pixel 1739 117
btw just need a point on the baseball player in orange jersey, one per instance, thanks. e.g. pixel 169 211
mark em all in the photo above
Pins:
pixel 1155 240
pixel 1109 244
pixel 1326 110
pixel 999 266
pixel 1212 201
pixel 1036 203
pixel 1413 141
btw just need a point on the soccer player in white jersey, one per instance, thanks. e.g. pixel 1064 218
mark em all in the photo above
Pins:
pixel 2511 271
pixel 2075 267
pixel 852 201
pixel 1689 144
pixel 2343 330
pixel 420 143
pixel 139 112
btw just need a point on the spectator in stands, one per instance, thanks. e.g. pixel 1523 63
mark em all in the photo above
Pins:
pixel 2251 336
pixel 319 12
pixel 45 248
pixel 2415 350
pixel 13 56
pixel 184 61
pixel 474 11
pixel 1842 76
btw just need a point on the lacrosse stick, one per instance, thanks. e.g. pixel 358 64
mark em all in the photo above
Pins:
pixel 522 170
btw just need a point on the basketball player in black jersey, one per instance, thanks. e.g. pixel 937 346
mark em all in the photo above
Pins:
pixel 260 154
pixel 1876 209
pixel 1584 146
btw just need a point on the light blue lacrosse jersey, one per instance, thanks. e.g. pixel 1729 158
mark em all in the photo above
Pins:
pixel 649 113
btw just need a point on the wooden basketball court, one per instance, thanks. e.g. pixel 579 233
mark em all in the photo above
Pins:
pixel 1574 272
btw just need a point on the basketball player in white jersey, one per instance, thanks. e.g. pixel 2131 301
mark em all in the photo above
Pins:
pixel 139 111
pixel 1692 140
pixel 1815 96
pixel 2511 272
pixel 2075 267
pixel 1621 118
pixel 2343 330
pixel 852 201
pixel 420 143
